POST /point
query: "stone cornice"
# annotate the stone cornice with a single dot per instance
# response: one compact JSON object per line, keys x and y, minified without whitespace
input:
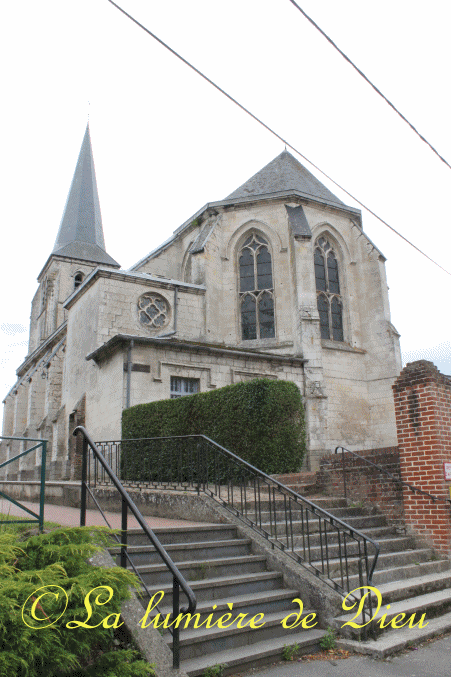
{"x":121,"y":340}
{"x":132,"y":277}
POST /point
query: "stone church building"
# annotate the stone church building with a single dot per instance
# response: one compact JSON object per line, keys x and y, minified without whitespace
{"x":277,"y":280}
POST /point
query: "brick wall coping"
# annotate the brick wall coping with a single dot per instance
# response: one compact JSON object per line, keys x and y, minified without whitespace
{"x":420,"y":372}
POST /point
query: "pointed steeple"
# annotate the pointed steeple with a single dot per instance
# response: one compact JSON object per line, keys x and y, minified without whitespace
{"x":283,"y":174}
{"x":80,"y":235}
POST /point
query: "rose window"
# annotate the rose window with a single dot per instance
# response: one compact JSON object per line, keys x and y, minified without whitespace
{"x":153,"y":311}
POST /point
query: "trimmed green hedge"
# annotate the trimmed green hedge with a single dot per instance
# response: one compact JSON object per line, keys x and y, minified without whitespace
{"x":261,"y":421}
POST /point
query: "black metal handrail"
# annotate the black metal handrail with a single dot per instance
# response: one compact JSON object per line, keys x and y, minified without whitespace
{"x":412,"y":487}
{"x":178,"y":581}
{"x":197,"y":463}
{"x":40,"y":444}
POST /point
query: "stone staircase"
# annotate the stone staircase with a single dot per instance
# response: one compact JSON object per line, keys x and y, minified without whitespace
{"x":222,"y":568}
{"x":411,"y":578}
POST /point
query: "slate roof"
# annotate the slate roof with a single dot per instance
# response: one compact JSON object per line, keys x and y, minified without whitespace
{"x":283,"y":174}
{"x":80,"y":235}
{"x":298,"y":222}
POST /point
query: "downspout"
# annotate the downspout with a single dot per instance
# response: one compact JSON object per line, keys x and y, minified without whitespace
{"x":174,"y":331}
{"x":129,"y":374}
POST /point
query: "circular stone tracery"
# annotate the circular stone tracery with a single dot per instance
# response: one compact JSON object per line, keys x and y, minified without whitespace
{"x":153,"y":311}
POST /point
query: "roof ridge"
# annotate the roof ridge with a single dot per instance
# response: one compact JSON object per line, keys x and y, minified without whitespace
{"x":284,"y":173}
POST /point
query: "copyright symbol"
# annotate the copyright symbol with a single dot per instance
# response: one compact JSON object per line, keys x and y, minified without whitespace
{"x":34,"y":602}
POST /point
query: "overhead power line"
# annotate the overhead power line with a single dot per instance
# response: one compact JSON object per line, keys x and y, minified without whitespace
{"x":376,"y":89}
{"x":274,"y":133}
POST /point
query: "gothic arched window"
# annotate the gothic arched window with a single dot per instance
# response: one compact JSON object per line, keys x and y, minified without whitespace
{"x":256,"y":290}
{"x":330,"y":306}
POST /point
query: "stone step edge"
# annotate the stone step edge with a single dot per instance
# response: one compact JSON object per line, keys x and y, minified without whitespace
{"x":198,"y":635}
{"x":353,"y":559}
{"x":385,"y":588}
{"x":252,"y":653}
{"x":417,"y":604}
{"x":381,"y":541}
{"x":404,"y":568}
{"x":397,"y":640}
{"x":222,"y":580}
{"x":239,"y":601}
{"x":205,"y":526}
{"x":190,"y":564}
{"x":195,"y":545}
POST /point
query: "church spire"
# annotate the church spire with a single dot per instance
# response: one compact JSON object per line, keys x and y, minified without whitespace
{"x":80,"y":235}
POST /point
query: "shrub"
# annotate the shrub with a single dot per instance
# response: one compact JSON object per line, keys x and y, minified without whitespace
{"x":59,"y":558}
{"x":261,"y":421}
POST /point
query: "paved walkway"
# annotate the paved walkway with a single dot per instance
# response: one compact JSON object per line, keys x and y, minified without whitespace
{"x":68,"y":516}
{"x":432,"y":659}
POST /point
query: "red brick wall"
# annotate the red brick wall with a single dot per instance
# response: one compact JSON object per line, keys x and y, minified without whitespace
{"x":423,"y":417}
{"x":364,"y":484}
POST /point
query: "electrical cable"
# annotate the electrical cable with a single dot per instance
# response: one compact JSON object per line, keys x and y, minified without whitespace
{"x":376,"y":89}
{"x":263,"y":124}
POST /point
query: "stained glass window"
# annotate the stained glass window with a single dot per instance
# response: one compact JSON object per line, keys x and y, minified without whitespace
{"x":256,"y":289}
{"x":328,"y":298}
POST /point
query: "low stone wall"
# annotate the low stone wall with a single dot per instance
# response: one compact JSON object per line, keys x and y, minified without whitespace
{"x":365,"y":484}
{"x":170,"y":504}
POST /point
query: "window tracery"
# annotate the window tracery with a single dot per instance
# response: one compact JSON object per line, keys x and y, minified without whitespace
{"x":328,"y":297}
{"x":256,"y":289}
{"x":153,"y":311}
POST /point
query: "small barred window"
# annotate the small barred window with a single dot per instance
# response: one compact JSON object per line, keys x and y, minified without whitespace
{"x":330,"y":305}
{"x":153,"y":311}
{"x":256,"y":290}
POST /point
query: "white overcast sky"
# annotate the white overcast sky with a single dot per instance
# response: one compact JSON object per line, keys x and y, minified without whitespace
{"x":165,"y":142}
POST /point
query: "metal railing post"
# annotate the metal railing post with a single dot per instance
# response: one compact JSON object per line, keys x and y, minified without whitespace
{"x":84,"y":479}
{"x":176,"y":630}
{"x":124,"y":534}
{"x":179,"y":581}
{"x":343,"y":462}
{"x":42,"y":492}
{"x":198,"y":467}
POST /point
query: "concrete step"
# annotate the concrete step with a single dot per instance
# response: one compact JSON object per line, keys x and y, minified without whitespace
{"x":394,"y":544}
{"x":224,"y":587}
{"x":195,"y":642}
{"x":430,"y":605}
{"x":158,"y":574}
{"x":183,"y":552}
{"x":324,"y":502}
{"x":312,"y":524}
{"x":392,"y":642}
{"x":280,"y":515}
{"x":304,"y":476}
{"x":386,"y":560}
{"x":194,"y":534}
{"x":400,"y":573}
{"x":271,"y":601}
{"x":375,"y":533}
{"x":396,"y":591}
{"x":255,"y":655}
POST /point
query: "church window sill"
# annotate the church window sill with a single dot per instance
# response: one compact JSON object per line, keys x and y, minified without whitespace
{"x":265,"y":343}
{"x":340,"y":345}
